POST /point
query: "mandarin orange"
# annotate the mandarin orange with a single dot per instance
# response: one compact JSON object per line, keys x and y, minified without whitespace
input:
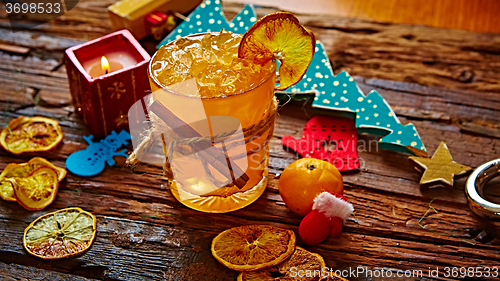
{"x":304,"y":179}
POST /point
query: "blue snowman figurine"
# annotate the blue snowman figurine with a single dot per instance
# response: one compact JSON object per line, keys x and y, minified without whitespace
{"x":91,"y":161}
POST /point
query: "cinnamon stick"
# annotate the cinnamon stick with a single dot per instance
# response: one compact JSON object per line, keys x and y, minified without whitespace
{"x":218,"y":159}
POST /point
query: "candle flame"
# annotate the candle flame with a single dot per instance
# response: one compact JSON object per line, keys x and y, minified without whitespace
{"x":105,"y":64}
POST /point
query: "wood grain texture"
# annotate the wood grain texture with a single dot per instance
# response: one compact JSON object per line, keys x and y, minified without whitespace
{"x":443,"y":81}
{"x":478,"y":16}
{"x":13,"y":272}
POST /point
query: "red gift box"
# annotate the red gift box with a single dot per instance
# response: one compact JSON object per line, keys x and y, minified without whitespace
{"x":158,"y":24}
{"x":103,"y":100}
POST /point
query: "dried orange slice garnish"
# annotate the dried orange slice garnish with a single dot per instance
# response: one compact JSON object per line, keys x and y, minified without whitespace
{"x":36,"y":191}
{"x":306,"y":266}
{"x":280,"y":36}
{"x":14,"y":170}
{"x":31,"y":134}
{"x":253,"y":247}
{"x":60,"y":234}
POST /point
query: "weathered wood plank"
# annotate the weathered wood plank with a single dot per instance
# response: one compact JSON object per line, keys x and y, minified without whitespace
{"x":33,"y":40}
{"x":416,"y":54}
{"x":144,"y":233}
{"x":124,"y":250}
{"x":169,"y":227}
{"x":88,"y":20}
{"x":381,"y":169}
{"x":13,"y":272}
{"x":482,"y":130}
{"x":460,"y":105}
{"x":14,"y":49}
{"x":401,"y":52}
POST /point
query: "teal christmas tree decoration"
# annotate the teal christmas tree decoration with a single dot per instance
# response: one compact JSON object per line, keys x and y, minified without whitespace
{"x":375,"y":116}
{"x":208,"y":17}
{"x":342,"y":95}
{"x":338,"y":94}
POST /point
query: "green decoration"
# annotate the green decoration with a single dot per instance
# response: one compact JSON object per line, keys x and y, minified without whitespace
{"x":342,"y":97}
{"x":209,"y":17}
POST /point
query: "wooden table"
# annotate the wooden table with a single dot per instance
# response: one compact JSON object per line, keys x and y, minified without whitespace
{"x":446,"y":82}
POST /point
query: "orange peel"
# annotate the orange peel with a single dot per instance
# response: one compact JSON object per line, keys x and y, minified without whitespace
{"x":23,"y":170}
{"x":280,"y":36}
{"x":60,"y":234}
{"x":31,"y":134}
{"x":36,"y":191}
{"x":6,"y":191}
{"x":253,"y":247}
{"x":300,"y":261}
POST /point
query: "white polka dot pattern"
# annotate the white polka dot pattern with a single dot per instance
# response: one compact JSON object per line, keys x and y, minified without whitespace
{"x":208,"y":16}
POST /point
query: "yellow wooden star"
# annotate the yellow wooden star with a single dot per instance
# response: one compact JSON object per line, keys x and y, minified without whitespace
{"x":440,"y":167}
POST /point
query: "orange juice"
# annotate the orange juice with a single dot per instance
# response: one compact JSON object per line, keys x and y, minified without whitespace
{"x":225,"y":99}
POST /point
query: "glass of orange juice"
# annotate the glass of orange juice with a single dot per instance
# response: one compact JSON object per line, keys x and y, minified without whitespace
{"x":220,"y":111}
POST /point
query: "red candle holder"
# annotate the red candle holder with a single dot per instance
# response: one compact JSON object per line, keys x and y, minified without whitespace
{"x":102,"y":98}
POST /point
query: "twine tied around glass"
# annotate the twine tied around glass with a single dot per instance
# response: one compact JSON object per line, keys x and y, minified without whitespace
{"x":185,"y":140}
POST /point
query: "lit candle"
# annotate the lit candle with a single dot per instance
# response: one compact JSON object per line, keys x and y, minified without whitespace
{"x":105,"y":64}
{"x":112,"y":61}
{"x":106,"y":77}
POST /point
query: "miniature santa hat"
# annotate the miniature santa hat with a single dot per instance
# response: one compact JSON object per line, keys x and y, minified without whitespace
{"x":329,"y":212}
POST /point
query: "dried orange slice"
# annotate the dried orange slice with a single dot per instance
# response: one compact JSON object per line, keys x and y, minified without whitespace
{"x":60,"y":234}
{"x":302,"y":265}
{"x":280,"y":36}
{"x":6,"y":191}
{"x":36,"y":191}
{"x":31,"y":134}
{"x":23,"y":170}
{"x":253,"y":247}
